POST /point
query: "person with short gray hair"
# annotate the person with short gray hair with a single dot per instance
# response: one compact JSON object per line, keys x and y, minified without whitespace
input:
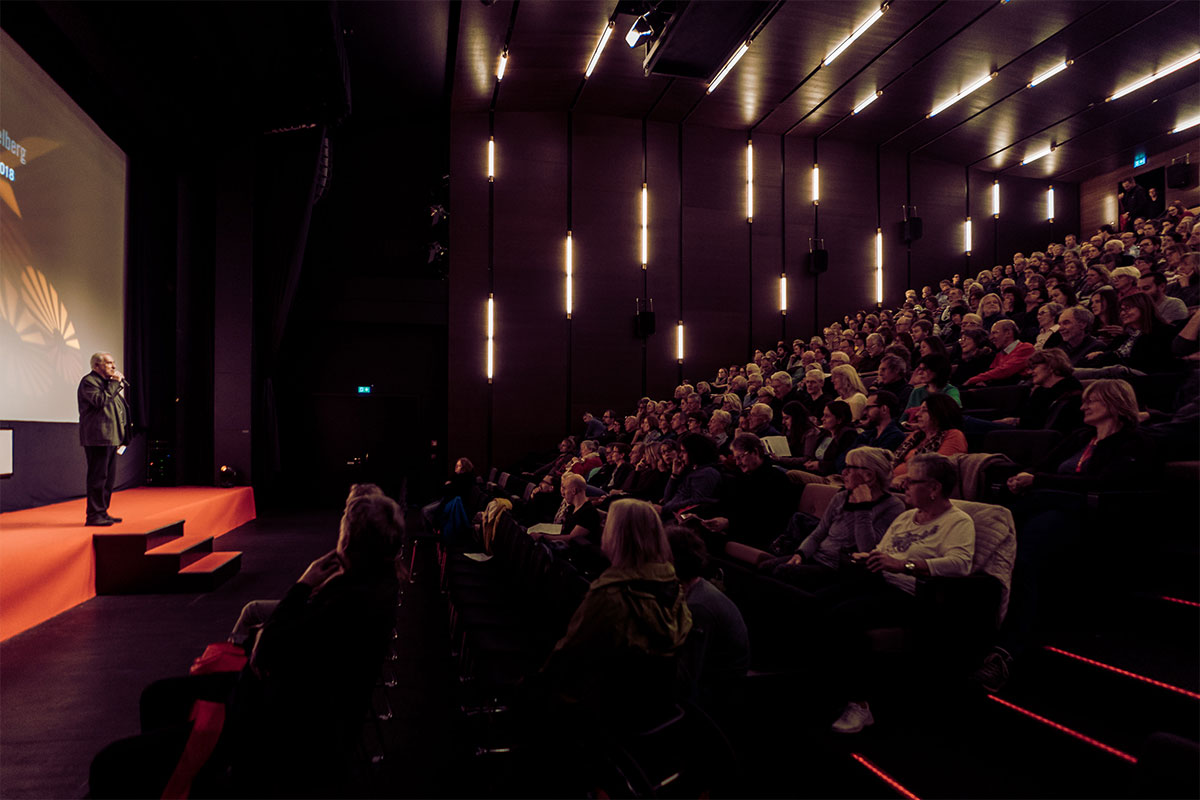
{"x":104,"y":427}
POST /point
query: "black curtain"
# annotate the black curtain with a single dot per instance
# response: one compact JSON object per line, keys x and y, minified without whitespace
{"x":293,"y":168}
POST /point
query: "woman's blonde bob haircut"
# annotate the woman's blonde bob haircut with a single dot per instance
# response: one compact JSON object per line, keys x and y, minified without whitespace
{"x":876,"y":459}
{"x":850,"y":374}
{"x":633,"y":535}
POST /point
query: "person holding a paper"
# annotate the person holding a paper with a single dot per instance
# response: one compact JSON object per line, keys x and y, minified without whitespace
{"x":103,"y":428}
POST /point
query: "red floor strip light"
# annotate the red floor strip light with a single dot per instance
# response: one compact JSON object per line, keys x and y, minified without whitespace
{"x":1064,"y":729}
{"x":1191,"y":603}
{"x":888,"y":779}
{"x":1126,"y":673}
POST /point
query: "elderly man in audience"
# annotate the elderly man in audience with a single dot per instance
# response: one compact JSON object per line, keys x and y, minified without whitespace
{"x":1012,"y":355}
{"x":932,"y":539}
{"x":893,"y":377}
{"x":759,"y":419}
{"x":1074,"y":325}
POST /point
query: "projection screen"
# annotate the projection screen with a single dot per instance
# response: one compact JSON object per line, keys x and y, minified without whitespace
{"x":62,"y":243}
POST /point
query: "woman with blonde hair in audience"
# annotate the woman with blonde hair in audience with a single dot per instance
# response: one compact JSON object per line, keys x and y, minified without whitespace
{"x":849,"y":387}
{"x":991,"y":309}
{"x":939,"y":430}
{"x":855,"y":519}
{"x":617,"y":659}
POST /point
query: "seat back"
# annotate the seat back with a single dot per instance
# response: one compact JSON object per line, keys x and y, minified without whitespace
{"x":995,"y":543}
{"x":816,"y":498}
{"x":1023,"y":447}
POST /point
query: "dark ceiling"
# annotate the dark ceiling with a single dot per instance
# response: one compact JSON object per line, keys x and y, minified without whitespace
{"x":919,"y":53}
{"x":181,"y":65}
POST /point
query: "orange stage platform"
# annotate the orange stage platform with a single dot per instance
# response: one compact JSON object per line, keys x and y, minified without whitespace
{"x":48,"y":564}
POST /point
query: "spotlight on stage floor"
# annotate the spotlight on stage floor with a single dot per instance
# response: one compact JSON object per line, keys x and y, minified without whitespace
{"x":227,"y":477}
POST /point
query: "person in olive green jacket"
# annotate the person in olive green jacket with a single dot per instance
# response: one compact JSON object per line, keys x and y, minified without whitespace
{"x":618,"y":656}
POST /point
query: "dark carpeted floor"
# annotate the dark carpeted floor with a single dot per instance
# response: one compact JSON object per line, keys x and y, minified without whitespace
{"x":71,"y":685}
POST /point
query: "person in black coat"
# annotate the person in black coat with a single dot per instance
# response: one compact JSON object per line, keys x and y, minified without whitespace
{"x":103,"y":428}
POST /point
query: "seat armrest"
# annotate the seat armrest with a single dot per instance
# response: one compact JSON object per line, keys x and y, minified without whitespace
{"x":745,"y":553}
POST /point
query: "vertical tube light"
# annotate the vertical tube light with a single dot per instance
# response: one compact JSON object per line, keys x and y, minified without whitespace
{"x":679,"y":341}
{"x":996,"y":198}
{"x":1050,"y":204}
{"x":879,"y":266}
{"x":645,"y":226}
{"x":570,"y":275}
{"x":750,"y":181}
{"x":816,"y":184}
{"x":491,"y":336}
{"x":491,"y":158}
{"x":783,"y":293}
{"x":503,"y":65}
{"x":967,"y":236}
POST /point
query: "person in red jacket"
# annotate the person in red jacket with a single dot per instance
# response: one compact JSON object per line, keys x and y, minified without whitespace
{"x":1012,"y":356}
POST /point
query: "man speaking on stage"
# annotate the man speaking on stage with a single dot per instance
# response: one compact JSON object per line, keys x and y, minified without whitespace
{"x":103,"y":427}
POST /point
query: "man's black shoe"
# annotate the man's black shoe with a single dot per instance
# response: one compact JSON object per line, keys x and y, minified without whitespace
{"x":103,"y":522}
{"x":112,"y":518}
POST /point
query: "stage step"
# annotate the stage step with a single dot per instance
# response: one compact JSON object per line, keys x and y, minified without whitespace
{"x":210,"y":571}
{"x":159,"y":561}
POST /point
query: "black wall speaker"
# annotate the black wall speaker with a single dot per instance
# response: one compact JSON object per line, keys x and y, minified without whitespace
{"x":643,"y":324}
{"x":818,"y":261}
{"x":911,"y":229}
{"x":1180,"y":176}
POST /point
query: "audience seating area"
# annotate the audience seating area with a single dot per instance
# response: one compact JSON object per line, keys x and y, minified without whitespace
{"x":1102,"y":704}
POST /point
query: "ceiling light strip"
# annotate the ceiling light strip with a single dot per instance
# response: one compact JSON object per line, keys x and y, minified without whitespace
{"x":942,"y":106}
{"x":871,"y":99}
{"x":503,"y":65}
{"x":996,"y":198}
{"x":1029,"y":159}
{"x":1048,"y":74}
{"x":591,"y":65}
{"x":729,"y":65}
{"x":859,"y":31}
{"x":1183,"y":126}
{"x":1165,"y":71}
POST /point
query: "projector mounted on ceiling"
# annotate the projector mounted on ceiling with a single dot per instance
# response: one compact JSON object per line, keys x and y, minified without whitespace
{"x":693,"y":38}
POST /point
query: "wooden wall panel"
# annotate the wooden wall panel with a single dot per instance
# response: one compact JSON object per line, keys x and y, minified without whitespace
{"x":663,"y":276}
{"x":762,"y":298}
{"x":531,"y":219}
{"x":467,"y":389}
{"x":716,"y":250}
{"x":607,"y":176}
